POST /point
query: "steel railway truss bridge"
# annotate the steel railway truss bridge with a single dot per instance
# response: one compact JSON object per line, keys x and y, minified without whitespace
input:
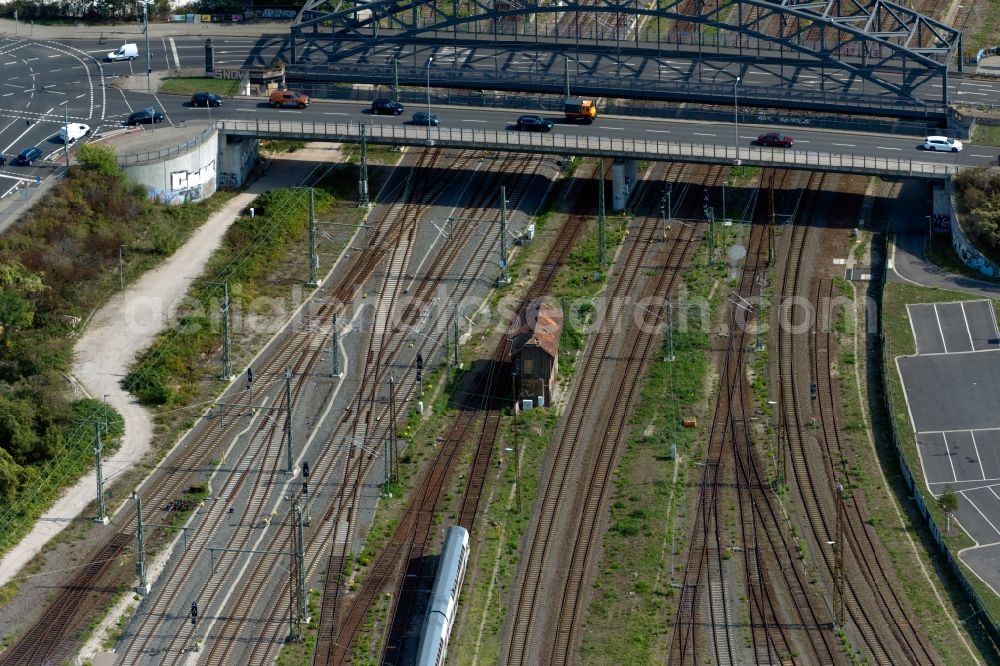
{"x":848,"y":56}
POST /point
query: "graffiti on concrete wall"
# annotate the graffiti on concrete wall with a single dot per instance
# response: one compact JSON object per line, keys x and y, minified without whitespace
{"x":183,"y":180}
{"x":228,"y":180}
{"x":968,"y":253}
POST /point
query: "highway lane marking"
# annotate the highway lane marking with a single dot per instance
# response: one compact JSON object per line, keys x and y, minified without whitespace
{"x":969,"y":92}
{"x":337,"y":113}
{"x":846,"y":145}
{"x":659,"y":131}
{"x":701,"y":134}
{"x":886,"y":148}
{"x":610,"y":128}
{"x":473,"y":121}
{"x":801,"y":141}
{"x":55,"y":55}
{"x":990,"y":156}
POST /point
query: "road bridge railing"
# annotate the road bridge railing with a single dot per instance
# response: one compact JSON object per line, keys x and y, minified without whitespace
{"x":834,"y":98}
{"x":588,"y":144}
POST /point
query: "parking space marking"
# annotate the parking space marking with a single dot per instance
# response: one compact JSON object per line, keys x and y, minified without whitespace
{"x":943,"y":432}
{"x":979,"y":458}
{"x":968,"y":329}
{"x":937,"y":318}
{"x":947,"y":452}
{"x":989,"y":484}
{"x":974,"y":506}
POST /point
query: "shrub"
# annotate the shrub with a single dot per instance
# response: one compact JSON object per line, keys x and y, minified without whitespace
{"x":99,"y":159}
{"x":977,"y":195}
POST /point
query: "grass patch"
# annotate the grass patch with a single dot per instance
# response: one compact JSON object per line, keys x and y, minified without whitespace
{"x":280,"y":146}
{"x":300,"y":653}
{"x":987,"y":135}
{"x":188,"y":85}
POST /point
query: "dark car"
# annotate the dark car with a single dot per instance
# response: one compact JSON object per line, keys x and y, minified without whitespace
{"x":775,"y":139}
{"x":424,"y":118}
{"x":144,"y":117}
{"x":534,"y":124}
{"x":3,"y":160}
{"x":27,"y":156}
{"x":206,"y":99}
{"x":387,"y":107}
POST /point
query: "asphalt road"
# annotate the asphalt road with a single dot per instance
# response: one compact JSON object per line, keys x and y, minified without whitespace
{"x":45,"y":81}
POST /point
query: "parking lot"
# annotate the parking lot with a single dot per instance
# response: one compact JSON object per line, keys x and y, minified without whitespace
{"x":953,"y":397}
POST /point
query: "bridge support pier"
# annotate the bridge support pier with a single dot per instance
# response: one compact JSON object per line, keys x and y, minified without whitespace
{"x":624,"y":175}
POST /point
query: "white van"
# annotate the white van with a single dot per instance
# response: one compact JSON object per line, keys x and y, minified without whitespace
{"x":124,"y":52}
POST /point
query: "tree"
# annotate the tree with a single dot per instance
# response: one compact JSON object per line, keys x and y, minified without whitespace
{"x":15,"y":312}
{"x":17,"y":430}
{"x":948,"y":502}
{"x":10,"y":478}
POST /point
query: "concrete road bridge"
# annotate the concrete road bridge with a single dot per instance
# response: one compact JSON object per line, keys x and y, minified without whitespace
{"x":593,"y":145}
{"x":854,"y":56}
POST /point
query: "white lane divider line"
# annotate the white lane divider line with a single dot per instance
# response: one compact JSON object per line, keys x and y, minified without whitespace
{"x":173,"y":48}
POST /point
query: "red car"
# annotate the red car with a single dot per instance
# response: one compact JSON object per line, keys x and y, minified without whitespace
{"x":775,"y":139}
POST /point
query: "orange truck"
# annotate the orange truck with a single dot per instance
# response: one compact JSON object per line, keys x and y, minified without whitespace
{"x":580,"y":109}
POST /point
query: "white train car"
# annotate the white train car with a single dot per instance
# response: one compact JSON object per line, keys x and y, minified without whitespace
{"x":444,"y":598}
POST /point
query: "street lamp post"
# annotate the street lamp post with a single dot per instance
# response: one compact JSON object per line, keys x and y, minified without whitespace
{"x":736,"y":116}
{"x":429,"y":61}
{"x":145,"y":29}
{"x":65,"y":106}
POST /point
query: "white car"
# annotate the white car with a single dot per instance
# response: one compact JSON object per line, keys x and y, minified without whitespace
{"x":73,"y":131}
{"x":942,"y":143}
{"x":124,"y":52}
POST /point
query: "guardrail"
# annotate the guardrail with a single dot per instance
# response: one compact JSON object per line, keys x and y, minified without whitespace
{"x":586,"y":144}
{"x":157,"y":155}
{"x":831,"y":99}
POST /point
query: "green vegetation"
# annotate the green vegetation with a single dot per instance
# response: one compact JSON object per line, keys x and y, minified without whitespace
{"x":280,"y":146}
{"x":170,"y":371}
{"x":986,"y":135}
{"x":56,"y":267}
{"x":299,"y":653}
{"x":627,"y":617}
{"x":977,"y":197}
{"x":983,"y":27}
{"x":188,"y":85}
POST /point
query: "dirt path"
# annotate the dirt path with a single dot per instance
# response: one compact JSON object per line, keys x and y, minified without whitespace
{"x":126,"y":325}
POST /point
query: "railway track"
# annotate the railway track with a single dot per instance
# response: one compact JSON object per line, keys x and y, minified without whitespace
{"x":786,"y":618}
{"x":869,"y":606}
{"x":265,"y":447}
{"x":865,"y":563}
{"x":337,"y":524}
{"x":412,"y":538}
{"x":570,"y":440}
